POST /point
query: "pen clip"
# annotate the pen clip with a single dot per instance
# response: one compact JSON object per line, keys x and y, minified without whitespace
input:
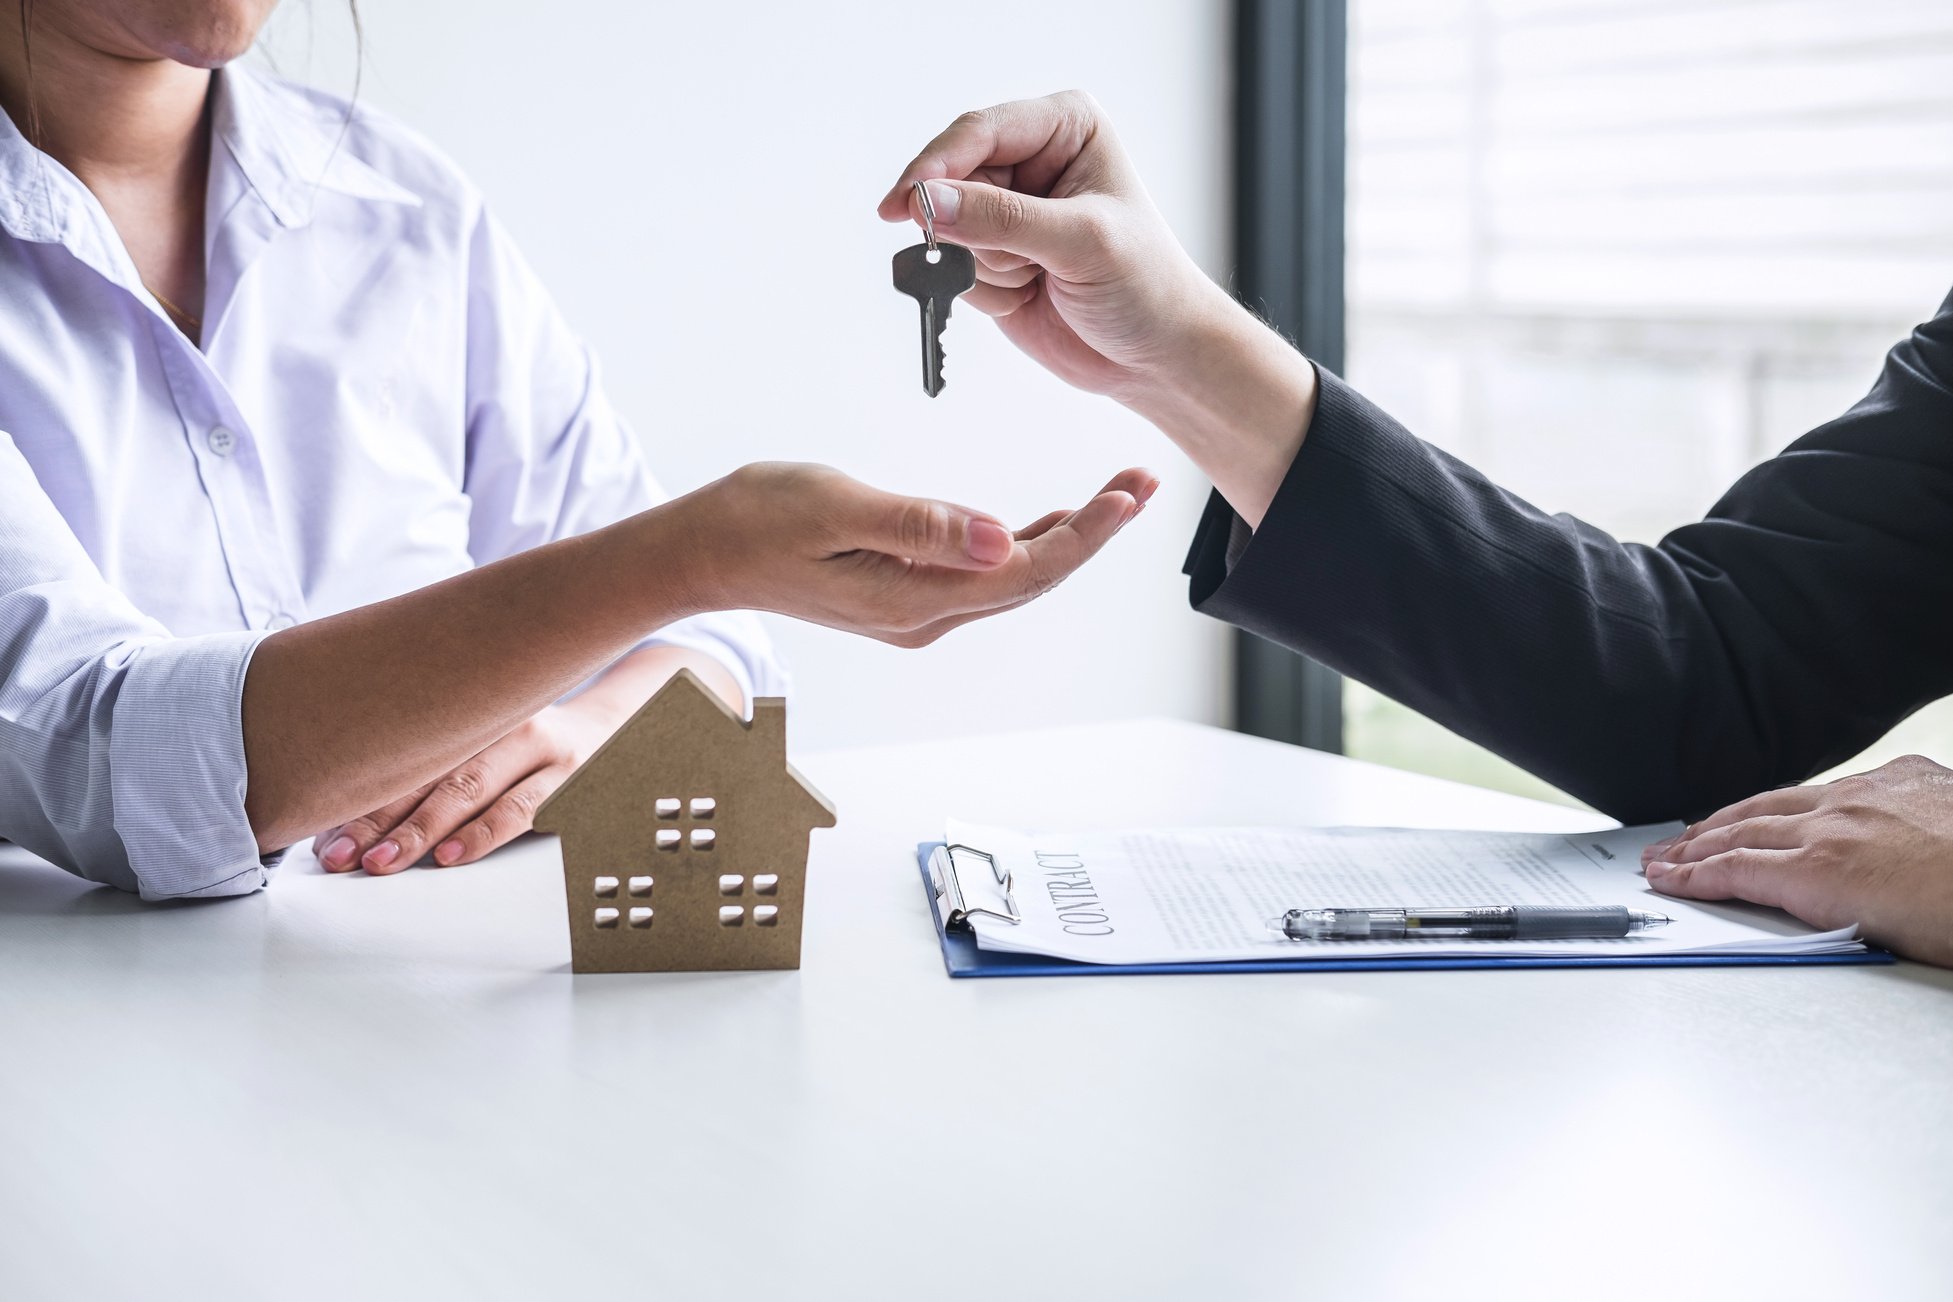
{"x":949,"y":888}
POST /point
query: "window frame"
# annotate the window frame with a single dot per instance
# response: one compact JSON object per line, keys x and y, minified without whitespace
{"x":1291,"y":92}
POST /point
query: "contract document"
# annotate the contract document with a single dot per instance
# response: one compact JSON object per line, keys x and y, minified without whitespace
{"x":1207,"y":895}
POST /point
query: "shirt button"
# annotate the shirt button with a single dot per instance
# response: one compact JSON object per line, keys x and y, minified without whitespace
{"x":220,"y":440}
{"x":277,"y":622}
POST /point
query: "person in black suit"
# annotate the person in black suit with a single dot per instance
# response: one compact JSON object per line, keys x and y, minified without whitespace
{"x":1810,"y":611}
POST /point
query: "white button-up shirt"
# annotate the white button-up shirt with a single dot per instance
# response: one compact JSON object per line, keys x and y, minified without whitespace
{"x":385,"y":397}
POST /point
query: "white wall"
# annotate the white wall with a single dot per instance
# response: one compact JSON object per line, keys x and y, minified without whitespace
{"x":698,"y":181}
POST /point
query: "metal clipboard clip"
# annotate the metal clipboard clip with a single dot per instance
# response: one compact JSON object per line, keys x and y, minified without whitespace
{"x":945,"y":877}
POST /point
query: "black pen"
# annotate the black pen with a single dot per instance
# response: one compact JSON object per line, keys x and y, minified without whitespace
{"x":1485,"y":922}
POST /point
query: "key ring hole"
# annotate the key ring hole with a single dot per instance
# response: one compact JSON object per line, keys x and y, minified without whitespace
{"x":933,"y":255}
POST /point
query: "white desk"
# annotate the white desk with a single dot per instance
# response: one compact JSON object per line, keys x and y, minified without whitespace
{"x":358,"y":1088}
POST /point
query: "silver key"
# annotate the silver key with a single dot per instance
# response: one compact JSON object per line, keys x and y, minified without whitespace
{"x":933,"y":273}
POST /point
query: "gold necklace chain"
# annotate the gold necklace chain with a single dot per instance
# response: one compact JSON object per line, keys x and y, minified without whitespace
{"x":194,"y":323}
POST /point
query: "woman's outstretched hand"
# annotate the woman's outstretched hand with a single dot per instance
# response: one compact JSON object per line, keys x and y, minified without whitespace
{"x":810,"y":542}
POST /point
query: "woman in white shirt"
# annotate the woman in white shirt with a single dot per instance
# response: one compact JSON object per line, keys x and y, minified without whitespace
{"x":312,"y":510}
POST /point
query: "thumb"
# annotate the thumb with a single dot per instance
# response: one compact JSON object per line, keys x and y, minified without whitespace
{"x":923,"y":529}
{"x":1056,"y":233}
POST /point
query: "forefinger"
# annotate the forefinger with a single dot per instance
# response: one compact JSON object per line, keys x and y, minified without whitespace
{"x":1781,"y":801}
{"x":1004,"y":135}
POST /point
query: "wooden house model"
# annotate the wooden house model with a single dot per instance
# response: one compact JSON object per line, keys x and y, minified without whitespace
{"x":685,"y":839}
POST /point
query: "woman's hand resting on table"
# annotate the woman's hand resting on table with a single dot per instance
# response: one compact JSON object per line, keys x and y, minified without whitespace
{"x":481,"y":805}
{"x":800,"y":540}
{"x":1875,"y":849}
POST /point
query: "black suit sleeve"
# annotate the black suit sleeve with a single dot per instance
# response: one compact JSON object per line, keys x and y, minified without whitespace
{"x":1809,"y":612}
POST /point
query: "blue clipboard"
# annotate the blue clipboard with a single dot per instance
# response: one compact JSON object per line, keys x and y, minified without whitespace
{"x":962,"y":957}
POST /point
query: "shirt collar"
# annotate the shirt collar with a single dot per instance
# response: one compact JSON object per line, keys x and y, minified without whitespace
{"x":32,"y":199}
{"x":291,"y":145}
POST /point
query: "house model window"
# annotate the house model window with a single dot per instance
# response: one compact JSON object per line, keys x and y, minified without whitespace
{"x":685,"y":839}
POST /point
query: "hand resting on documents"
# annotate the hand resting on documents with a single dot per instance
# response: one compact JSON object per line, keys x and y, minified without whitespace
{"x":1202,"y":895}
{"x":1874,"y":849}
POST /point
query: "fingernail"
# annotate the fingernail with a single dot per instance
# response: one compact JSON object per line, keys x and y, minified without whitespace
{"x":339,"y":854}
{"x":988,"y":542}
{"x":1146,"y":493}
{"x":382,"y":854}
{"x":1657,"y":869}
{"x":447,"y":852}
{"x":945,"y":199}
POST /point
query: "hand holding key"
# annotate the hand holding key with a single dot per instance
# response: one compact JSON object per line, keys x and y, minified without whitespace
{"x":933,"y":274}
{"x":1072,"y":258}
{"x":1082,"y":272}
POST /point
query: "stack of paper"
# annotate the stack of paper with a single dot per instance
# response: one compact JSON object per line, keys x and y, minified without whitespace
{"x":1207,"y":895}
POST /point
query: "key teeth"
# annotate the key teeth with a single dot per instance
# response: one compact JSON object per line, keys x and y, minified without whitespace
{"x":933,"y":385}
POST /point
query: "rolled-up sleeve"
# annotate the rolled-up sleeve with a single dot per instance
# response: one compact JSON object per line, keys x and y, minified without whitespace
{"x":121,"y":747}
{"x":548,"y":458}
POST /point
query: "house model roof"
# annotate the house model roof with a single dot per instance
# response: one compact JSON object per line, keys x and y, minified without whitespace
{"x":687,"y":736}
